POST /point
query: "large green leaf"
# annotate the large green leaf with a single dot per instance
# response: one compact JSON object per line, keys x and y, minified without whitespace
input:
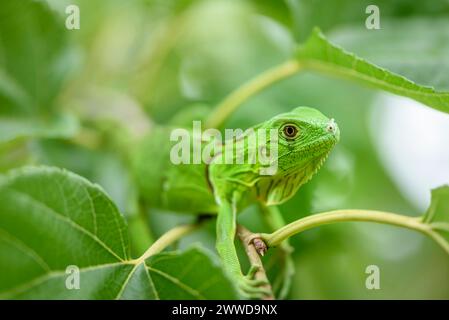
{"x":177,"y":276}
{"x":320,"y":55}
{"x":403,"y":46}
{"x":51,"y":219}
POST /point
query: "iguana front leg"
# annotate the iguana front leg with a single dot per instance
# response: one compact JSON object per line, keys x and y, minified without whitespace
{"x":226,"y":231}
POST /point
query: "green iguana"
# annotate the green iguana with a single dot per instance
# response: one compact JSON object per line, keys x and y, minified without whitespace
{"x":304,"y":137}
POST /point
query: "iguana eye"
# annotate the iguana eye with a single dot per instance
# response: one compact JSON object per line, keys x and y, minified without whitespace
{"x":290,"y":131}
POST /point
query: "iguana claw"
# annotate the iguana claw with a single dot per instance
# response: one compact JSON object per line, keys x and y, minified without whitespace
{"x":251,"y":288}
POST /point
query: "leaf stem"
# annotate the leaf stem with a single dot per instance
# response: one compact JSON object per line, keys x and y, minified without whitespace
{"x":316,"y":220}
{"x":236,"y":98}
{"x":166,"y":239}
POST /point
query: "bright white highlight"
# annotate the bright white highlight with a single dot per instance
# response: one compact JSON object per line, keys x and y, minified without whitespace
{"x":412,"y":141}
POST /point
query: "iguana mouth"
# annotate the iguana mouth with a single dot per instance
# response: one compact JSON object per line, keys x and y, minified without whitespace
{"x":319,"y":147}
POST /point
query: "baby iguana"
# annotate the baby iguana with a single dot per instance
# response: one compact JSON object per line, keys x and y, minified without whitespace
{"x":303,"y":137}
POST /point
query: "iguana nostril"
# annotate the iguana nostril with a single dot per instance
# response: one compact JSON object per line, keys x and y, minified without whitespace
{"x":331,"y":126}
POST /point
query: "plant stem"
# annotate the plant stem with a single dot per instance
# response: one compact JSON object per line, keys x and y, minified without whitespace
{"x":253,"y":257}
{"x":166,"y":239}
{"x":236,"y":98}
{"x":320,"y":219}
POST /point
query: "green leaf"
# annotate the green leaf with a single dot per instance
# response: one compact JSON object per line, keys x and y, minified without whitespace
{"x":176,"y":276}
{"x":437,"y":216}
{"x":403,"y":46}
{"x":51,"y":219}
{"x":320,"y":55}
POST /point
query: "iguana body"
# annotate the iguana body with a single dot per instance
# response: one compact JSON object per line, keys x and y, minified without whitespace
{"x":305,"y":138}
{"x":181,"y":188}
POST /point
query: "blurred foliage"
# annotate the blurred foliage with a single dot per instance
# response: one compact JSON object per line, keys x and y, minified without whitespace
{"x":136,"y":63}
{"x":329,"y":15}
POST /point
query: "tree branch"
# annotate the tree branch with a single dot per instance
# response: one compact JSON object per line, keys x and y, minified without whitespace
{"x":246,"y":237}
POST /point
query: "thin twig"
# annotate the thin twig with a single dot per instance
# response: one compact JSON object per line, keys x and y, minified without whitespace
{"x":253,"y":256}
{"x":319,"y":219}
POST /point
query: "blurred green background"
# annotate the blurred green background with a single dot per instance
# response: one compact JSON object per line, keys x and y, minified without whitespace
{"x":75,"y":99}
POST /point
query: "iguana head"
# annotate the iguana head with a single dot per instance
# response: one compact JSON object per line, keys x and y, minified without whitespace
{"x":305,"y":139}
